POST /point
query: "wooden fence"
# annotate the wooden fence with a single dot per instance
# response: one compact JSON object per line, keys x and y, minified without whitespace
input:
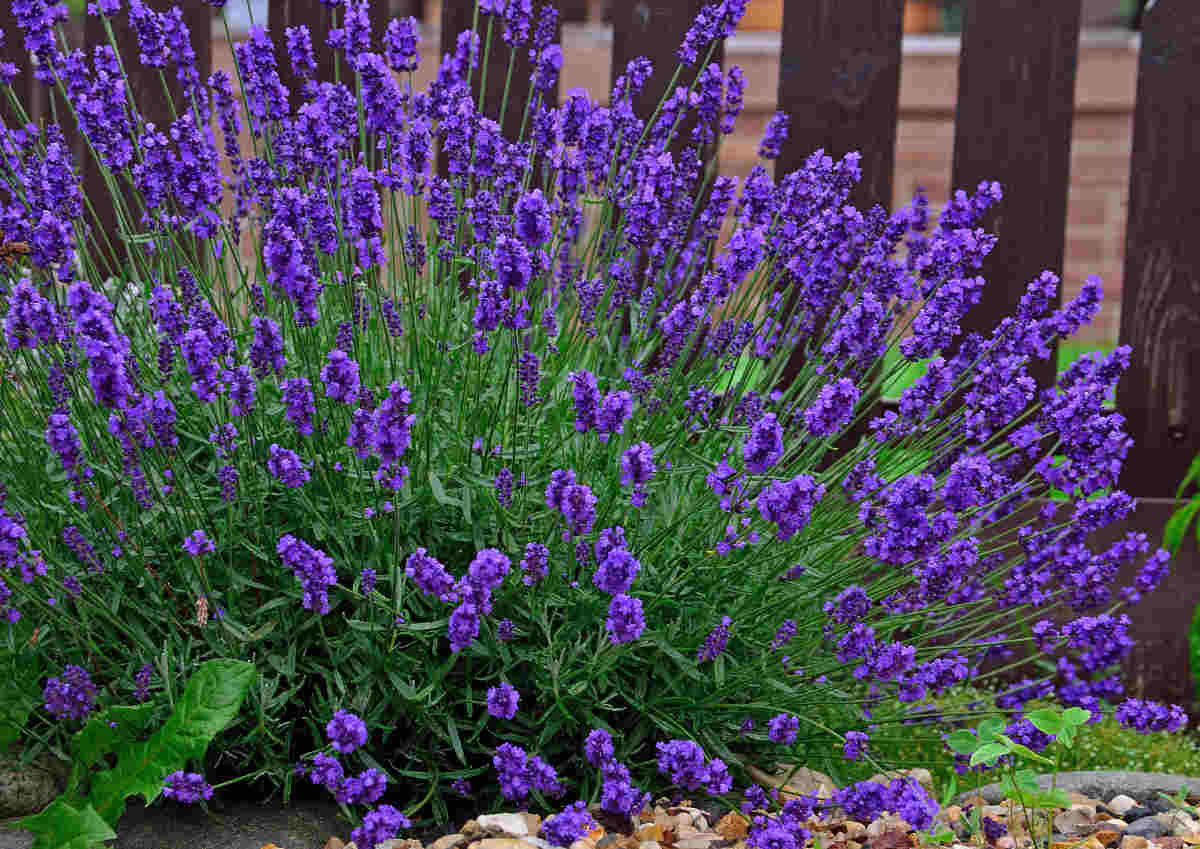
{"x":839,"y":80}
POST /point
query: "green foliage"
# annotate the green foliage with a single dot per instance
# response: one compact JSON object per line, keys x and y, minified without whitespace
{"x":94,"y":800}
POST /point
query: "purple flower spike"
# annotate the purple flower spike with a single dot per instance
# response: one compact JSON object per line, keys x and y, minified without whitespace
{"x":346,"y":732}
{"x":502,"y":701}
{"x":186,"y":788}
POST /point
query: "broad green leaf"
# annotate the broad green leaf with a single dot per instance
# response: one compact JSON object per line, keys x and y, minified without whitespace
{"x":1193,"y":474}
{"x":1023,"y":751}
{"x":963,"y":742}
{"x":988,"y":753}
{"x":97,"y":738}
{"x":209,"y":702}
{"x":1076,"y":716}
{"x":989,"y":728}
{"x":61,"y":826}
{"x":1177,"y":525}
{"x":1045,"y":720}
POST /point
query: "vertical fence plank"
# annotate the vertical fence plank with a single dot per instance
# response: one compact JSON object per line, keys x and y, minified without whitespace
{"x":839,"y":82}
{"x":1160,"y":307}
{"x":457,"y":16}
{"x":145,"y":90}
{"x":27,"y":90}
{"x":654,"y":29}
{"x":1016,"y":89}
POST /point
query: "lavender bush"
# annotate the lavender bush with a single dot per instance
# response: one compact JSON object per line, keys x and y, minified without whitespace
{"x":468,"y":463}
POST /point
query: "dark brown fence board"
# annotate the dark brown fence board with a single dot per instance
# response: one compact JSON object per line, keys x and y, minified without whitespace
{"x":839,"y":81}
{"x":1160,"y":306}
{"x":457,"y":16}
{"x":653,"y":29}
{"x":1016,"y":90}
{"x":25,"y":87}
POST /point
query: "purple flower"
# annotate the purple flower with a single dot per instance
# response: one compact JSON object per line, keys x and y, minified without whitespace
{"x":198,"y":543}
{"x":430,"y":576}
{"x":532,"y":218}
{"x":381,"y":824}
{"x":400,"y":44}
{"x":637,"y":468}
{"x":463,"y":627}
{"x":774,"y":136}
{"x":684,"y":761}
{"x":505,"y":631}
{"x":569,"y":825}
{"x":312,"y":567}
{"x":784,"y":635}
{"x":850,"y":605}
{"x":141,"y":683}
{"x":502,"y":700}
{"x":535,"y":563}
{"x":625,"y":622}
{"x":340,"y":375}
{"x":71,"y":697}
{"x":346,"y":732}
{"x":832,"y":409}
{"x":855,"y":745}
{"x":789,"y":504}
{"x":715,"y":642}
{"x":616,"y":572}
{"x":186,"y":788}
{"x":783,"y":729}
{"x":298,"y":396}
{"x":598,"y":747}
{"x":764,"y":445}
{"x":285,"y":465}
{"x":1146,"y":717}
{"x":266,"y":350}
{"x":504,"y":486}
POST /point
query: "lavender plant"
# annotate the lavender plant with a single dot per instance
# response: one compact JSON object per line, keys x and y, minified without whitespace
{"x":473,"y":453}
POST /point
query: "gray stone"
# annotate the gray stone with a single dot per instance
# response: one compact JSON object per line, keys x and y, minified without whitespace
{"x":27,"y":788}
{"x":1147,"y":827}
{"x":1101,"y":784}
{"x":241,"y":825}
{"x":1121,"y":804}
{"x":511,"y":825}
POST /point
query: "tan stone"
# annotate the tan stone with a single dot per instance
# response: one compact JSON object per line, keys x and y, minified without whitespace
{"x":803,"y":781}
{"x":1074,"y":822}
{"x":1107,"y":837}
{"x":334,"y":843}
{"x":450,"y":841}
{"x":1133,"y":841}
{"x":500,"y":843}
{"x":649,"y":831}
{"x":503,"y":825}
{"x":399,"y":843}
{"x":686,"y":832}
{"x":1114,"y":822}
{"x":532,"y":822}
{"x":700,"y":822}
{"x":732,"y":826}
{"x":1006,"y":842}
{"x":951,"y":814}
{"x":649,"y":844}
{"x":854,"y":829}
{"x":470,"y":828}
{"x":1121,"y":804}
{"x":695,"y":843}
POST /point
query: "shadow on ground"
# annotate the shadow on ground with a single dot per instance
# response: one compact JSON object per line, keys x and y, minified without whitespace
{"x":244,"y":825}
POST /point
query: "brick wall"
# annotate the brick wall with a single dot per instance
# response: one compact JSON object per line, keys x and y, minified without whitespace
{"x":1101,"y":144}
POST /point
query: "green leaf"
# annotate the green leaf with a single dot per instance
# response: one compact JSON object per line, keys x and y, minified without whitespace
{"x":989,"y":728}
{"x":209,"y":702}
{"x":1193,"y":474}
{"x":943,"y":836}
{"x":1023,"y":751}
{"x":988,"y":753}
{"x":1045,"y":720}
{"x":455,"y":742}
{"x":97,"y":738}
{"x":439,"y":492}
{"x":1076,"y":716}
{"x":61,"y":826}
{"x":1177,"y":525}
{"x":963,"y":741}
